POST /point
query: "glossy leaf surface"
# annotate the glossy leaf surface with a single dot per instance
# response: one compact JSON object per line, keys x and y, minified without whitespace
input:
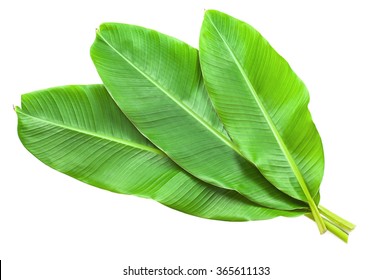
{"x":79,"y":131}
{"x":262,"y":104}
{"x":156,"y":81}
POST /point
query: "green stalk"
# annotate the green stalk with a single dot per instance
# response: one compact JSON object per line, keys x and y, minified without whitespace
{"x":316,"y":214}
{"x":335,"y":230}
{"x":339,"y":221}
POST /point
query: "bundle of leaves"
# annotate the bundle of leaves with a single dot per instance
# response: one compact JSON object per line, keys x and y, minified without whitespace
{"x":222,"y":133}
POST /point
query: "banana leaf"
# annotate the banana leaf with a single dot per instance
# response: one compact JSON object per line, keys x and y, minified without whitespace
{"x":157,"y":82}
{"x":263,"y":106}
{"x":79,"y":131}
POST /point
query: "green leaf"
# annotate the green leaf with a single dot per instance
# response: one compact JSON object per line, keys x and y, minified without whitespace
{"x":79,"y":131}
{"x":263,"y":106}
{"x":156,"y":81}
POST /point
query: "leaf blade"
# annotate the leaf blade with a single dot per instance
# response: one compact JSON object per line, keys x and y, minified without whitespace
{"x":79,"y":131}
{"x":157,"y":82}
{"x":248,"y":80}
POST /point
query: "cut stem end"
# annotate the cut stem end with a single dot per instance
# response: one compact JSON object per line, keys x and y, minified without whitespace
{"x":333,"y":223}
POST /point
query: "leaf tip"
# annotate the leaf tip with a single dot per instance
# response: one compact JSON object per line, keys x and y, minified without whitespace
{"x":208,"y":13}
{"x":16,"y":109}
{"x":212,"y":13}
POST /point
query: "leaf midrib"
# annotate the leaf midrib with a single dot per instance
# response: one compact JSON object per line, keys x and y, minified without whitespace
{"x":268,"y":118}
{"x":175,"y":100}
{"x":93,"y":134}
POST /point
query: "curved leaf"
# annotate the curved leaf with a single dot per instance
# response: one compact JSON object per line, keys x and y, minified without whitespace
{"x":78,"y":130}
{"x":263,"y":105}
{"x":156,"y":81}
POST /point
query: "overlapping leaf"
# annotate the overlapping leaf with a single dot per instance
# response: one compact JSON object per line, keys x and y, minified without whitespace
{"x":263,"y":105}
{"x":79,"y":130}
{"x":156,"y":81}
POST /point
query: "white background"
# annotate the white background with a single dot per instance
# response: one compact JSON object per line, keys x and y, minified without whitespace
{"x":55,"y":227}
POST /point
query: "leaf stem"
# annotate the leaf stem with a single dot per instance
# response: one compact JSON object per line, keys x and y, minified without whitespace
{"x":316,"y":215}
{"x":339,"y":221}
{"x":335,"y":230}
